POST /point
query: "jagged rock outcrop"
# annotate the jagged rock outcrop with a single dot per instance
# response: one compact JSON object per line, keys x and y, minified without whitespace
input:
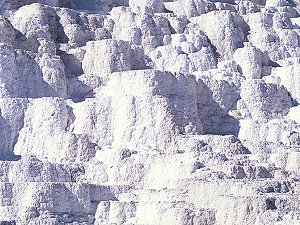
{"x":149,"y":112}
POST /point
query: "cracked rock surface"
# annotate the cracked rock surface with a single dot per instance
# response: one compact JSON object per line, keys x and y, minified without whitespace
{"x":150,"y":112}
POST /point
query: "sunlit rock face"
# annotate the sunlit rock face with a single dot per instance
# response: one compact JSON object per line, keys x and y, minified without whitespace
{"x":171,"y":112}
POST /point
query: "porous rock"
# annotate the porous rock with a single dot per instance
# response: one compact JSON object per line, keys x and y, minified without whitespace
{"x":149,"y":112}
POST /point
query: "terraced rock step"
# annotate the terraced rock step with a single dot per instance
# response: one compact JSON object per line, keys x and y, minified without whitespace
{"x":66,"y":202}
{"x":147,"y":112}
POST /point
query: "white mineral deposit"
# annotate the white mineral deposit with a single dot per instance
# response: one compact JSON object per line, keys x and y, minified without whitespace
{"x":149,"y":112}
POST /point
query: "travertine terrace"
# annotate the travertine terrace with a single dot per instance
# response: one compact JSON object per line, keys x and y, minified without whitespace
{"x":149,"y":112}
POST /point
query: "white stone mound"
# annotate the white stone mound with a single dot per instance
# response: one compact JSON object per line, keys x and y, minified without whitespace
{"x":147,"y":112}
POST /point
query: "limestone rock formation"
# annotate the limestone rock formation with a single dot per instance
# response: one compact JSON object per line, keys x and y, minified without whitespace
{"x":146,"y":112}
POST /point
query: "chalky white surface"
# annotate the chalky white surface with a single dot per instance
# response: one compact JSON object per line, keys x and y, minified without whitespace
{"x":147,"y":112}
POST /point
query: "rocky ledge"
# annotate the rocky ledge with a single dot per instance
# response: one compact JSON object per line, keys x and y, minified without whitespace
{"x":147,"y":112}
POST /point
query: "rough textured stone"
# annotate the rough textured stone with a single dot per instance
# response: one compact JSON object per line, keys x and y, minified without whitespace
{"x":250,"y":61}
{"x":149,"y":112}
{"x":265,"y":100}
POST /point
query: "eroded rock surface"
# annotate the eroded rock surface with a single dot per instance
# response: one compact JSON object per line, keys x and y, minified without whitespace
{"x":149,"y":112}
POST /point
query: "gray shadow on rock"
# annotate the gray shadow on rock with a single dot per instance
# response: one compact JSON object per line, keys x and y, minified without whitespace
{"x":76,"y":211}
{"x":73,"y":67}
{"x":25,"y":78}
{"x":215,"y":120}
{"x":5,"y":138}
{"x":11,"y":222}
